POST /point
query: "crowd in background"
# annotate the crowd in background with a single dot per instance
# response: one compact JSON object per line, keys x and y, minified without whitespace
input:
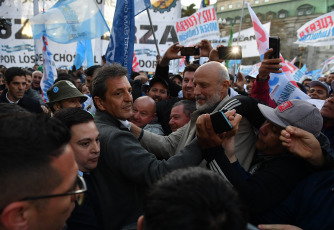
{"x":147,"y":153}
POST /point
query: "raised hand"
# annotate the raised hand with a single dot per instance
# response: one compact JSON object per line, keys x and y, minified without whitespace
{"x":303,"y":144}
{"x":269,"y":65}
{"x":171,"y":53}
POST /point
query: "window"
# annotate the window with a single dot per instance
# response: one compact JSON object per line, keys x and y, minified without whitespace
{"x":331,"y":8}
{"x":260,"y":16}
{"x":222,"y":8}
{"x":271,"y":15}
{"x":256,"y":2}
{"x":229,"y":21}
{"x":282,"y":14}
{"x":265,"y":0}
{"x":238,"y":5}
{"x":248,"y":18}
{"x":237,"y":20}
{"x":230,"y":6}
{"x":305,"y":9}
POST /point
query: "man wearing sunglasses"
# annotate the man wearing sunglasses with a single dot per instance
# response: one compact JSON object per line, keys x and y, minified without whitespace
{"x":39,"y":177}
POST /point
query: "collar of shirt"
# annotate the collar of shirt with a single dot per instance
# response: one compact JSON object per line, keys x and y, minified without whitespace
{"x":12,"y":102}
{"x":126,"y":123}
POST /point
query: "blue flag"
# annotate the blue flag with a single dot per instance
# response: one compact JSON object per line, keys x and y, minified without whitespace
{"x":122,"y":35}
{"x":84,"y":51}
{"x":49,"y":70}
{"x":141,"y":5}
{"x":70,"y":21}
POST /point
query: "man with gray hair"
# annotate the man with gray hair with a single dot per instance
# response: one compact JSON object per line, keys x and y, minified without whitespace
{"x":211,"y":82}
{"x":36,"y":81}
{"x":180,"y":114}
{"x":125,"y":168}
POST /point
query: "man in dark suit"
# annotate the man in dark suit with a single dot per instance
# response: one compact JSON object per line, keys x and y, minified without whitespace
{"x":15,"y":81}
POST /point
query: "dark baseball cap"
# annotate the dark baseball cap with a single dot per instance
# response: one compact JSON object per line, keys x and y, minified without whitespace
{"x":160,"y":80}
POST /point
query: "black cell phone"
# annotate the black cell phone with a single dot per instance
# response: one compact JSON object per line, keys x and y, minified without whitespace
{"x":230,"y":53}
{"x":274,"y":42}
{"x":220,"y":123}
{"x":189,"y":51}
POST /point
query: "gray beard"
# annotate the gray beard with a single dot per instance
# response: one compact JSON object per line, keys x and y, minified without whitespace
{"x":210,"y":102}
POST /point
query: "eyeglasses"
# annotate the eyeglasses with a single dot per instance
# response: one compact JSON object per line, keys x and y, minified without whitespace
{"x":80,"y":188}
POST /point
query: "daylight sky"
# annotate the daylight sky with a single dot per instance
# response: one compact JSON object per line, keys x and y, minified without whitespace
{"x":197,"y":2}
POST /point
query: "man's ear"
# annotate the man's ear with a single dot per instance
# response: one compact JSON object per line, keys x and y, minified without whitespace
{"x":140,"y":223}
{"x":99,"y":103}
{"x":56,"y":106}
{"x":224,"y":85}
{"x":15,"y":215}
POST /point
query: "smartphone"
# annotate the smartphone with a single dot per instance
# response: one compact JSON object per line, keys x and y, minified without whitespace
{"x":220,"y":123}
{"x":274,"y":42}
{"x":230,"y":53}
{"x":189,"y":51}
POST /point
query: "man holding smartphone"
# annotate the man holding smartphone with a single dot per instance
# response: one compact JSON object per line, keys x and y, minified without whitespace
{"x":211,"y":83}
{"x":260,"y":88}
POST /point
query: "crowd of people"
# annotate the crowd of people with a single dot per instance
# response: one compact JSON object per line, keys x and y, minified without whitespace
{"x":116,"y":150}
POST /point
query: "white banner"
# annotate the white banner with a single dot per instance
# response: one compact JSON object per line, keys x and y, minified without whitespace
{"x":200,"y":25}
{"x":164,"y":15}
{"x":317,"y":32}
{"x":17,"y":45}
{"x":247,"y":41}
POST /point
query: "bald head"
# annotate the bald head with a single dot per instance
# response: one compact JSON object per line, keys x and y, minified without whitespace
{"x":214,"y":70}
{"x":211,"y":85}
{"x":143,"y":111}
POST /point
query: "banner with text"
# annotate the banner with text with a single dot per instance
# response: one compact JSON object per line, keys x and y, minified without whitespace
{"x":200,"y":25}
{"x":17,"y":45}
{"x":164,"y":15}
{"x":317,"y":32}
{"x":247,"y":41}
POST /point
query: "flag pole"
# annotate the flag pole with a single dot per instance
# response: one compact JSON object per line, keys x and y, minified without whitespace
{"x":155,"y":40}
{"x":35,"y":41}
{"x":242,"y":15}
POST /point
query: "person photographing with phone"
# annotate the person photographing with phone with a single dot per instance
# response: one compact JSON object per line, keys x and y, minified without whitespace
{"x":278,"y":167}
{"x":260,"y":88}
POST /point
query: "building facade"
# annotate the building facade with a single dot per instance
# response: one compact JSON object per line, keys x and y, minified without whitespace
{"x":286,"y":17}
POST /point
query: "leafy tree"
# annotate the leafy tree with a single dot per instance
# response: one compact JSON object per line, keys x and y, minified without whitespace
{"x":189,"y":10}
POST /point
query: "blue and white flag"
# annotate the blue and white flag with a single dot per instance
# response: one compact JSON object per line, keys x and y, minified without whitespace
{"x":141,"y":5}
{"x":70,"y":21}
{"x":122,"y":35}
{"x":84,"y":51}
{"x":49,"y":70}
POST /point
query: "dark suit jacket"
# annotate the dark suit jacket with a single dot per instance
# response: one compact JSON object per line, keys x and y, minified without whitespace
{"x":26,"y":103}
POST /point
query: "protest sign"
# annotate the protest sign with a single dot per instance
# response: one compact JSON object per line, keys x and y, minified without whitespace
{"x":17,"y":45}
{"x":317,"y":32}
{"x":247,"y":41}
{"x":200,"y":25}
{"x":164,"y":17}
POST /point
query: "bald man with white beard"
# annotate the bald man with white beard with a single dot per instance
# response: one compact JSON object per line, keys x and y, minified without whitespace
{"x":211,"y":83}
